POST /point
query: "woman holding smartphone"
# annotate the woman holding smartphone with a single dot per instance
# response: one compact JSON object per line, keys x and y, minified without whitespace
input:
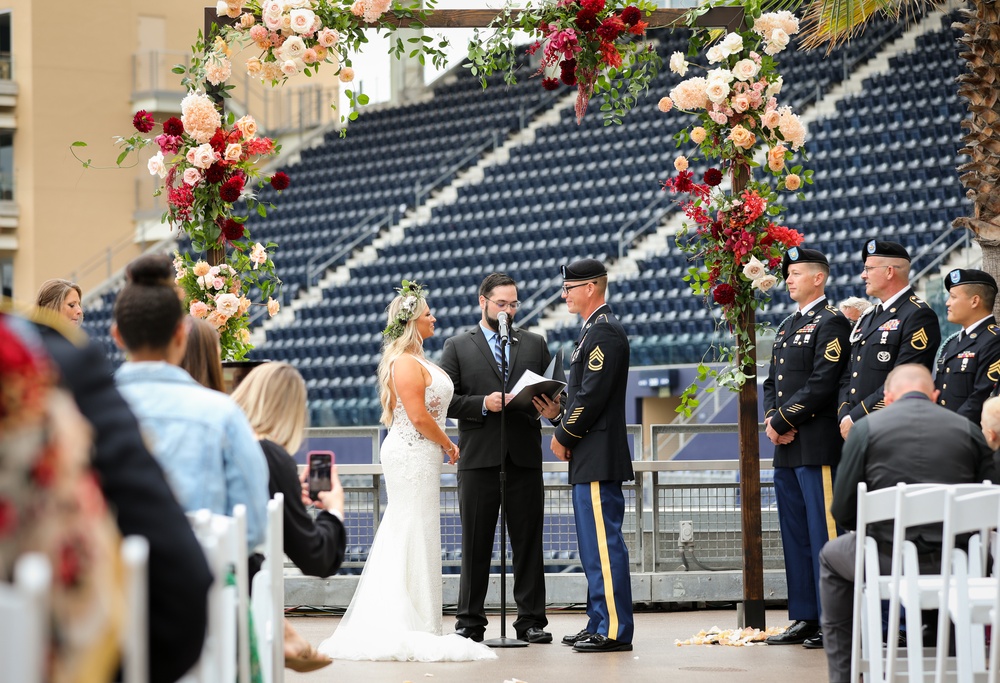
{"x":273,"y":396}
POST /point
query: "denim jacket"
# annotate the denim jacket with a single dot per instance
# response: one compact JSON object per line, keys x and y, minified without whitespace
{"x":202,"y":440}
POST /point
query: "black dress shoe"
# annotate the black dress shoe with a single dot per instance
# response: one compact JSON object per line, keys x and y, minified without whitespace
{"x":473,"y":634}
{"x":535,"y":635}
{"x":576,"y":638}
{"x":599,"y":643}
{"x":796,"y":634}
{"x":814,"y":643}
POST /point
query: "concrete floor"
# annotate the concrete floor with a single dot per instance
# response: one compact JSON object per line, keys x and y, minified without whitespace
{"x":655,"y":657}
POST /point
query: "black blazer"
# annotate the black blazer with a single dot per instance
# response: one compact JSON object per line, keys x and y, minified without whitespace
{"x":593,"y":424}
{"x":469,"y":361}
{"x":800,"y":391}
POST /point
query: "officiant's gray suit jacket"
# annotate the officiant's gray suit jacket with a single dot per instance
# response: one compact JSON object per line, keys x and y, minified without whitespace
{"x":469,"y":361}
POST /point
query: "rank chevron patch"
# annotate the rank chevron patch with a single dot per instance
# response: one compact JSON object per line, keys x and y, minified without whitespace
{"x":596,"y":360}
{"x":919,"y":340}
{"x":832,"y":353}
{"x":993,"y":374}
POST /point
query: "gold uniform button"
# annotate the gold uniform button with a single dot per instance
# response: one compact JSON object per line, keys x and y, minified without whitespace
{"x":944,"y":386}
{"x":862,"y":343}
{"x":859,"y":359}
{"x":943,"y":402}
{"x":947,"y":369}
{"x":854,"y":391}
{"x":782,"y":360}
{"x":854,"y":375}
{"x":784,"y":345}
{"x":780,"y":394}
{"x":781,"y":377}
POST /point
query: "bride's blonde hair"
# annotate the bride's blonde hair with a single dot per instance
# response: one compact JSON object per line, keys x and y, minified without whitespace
{"x":395,"y":345}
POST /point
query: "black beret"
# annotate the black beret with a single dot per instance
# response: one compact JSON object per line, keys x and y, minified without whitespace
{"x":584,"y":269}
{"x":802,"y":255}
{"x":878,"y":248}
{"x":961,"y":276}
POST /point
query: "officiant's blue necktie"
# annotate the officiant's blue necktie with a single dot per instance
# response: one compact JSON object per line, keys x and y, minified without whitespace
{"x":497,"y":353}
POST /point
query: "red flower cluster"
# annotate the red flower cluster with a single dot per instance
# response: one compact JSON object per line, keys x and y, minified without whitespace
{"x":143,"y":121}
{"x":231,"y":230}
{"x":713,"y":177}
{"x":173,"y":126}
{"x":724,"y":294}
{"x":550,"y":83}
{"x":230,"y":190}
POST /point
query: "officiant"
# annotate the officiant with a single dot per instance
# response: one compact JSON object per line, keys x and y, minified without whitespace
{"x":472,"y":359}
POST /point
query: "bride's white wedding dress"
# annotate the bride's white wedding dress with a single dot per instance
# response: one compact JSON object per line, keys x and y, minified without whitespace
{"x":395,"y":613}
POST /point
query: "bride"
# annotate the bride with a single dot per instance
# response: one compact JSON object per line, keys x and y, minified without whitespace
{"x":396,"y":610}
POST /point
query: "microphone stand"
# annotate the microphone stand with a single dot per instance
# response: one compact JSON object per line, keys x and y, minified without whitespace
{"x":503,"y":640}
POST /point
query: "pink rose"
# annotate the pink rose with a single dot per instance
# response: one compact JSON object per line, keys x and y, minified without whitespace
{"x":327,"y":37}
{"x":718,"y":117}
{"x":310,"y":56}
{"x":219,"y":283}
{"x":765,"y":282}
{"x":202,"y":156}
{"x":198,"y":309}
{"x":793,"y":182}
{"x":169,"y":144}
{"x":192,"y":176}
{"x":289,"y":67}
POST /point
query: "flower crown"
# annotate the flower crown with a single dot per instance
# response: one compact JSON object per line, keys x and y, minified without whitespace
{"x":411,"y":292}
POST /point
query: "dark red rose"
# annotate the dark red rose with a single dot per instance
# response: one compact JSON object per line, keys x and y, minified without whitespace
{"x":231,"y":230}
{"x":550,"y":83}
{"x":713,"y":177}
{"x":611,"y":28}
{"x":684,"y":182}
{"x":280,"y":181}
{"x":143,"y":121}
{"x":631,"y":14}
{"x":230,"y":190}
{"x":215,"y":173}
{"x":218,"y":141}
{"x":586,"y":20}
{"x":724,"y":294}
{"x":716,"y":229}
{"x":595,"y":6}
{"x":173,"y":126}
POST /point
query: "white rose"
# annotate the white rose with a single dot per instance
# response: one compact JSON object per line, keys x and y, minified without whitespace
{"x":221,"y":8}
{"x":271,"y":13}
{"x":754,"y":269}
{"x":678,"y":64}
{"x":775,"y":87}
{"x":289,"y":67}
{"x":156,"y":165}
{"x":227,"y":304}
{"x":724,"y":75}
{"x":732,"y":44}
{"x":777,"y":42}
{"x":765,"y":282}
{"x":745,"y":69}
{"x":717,"y":91}
{"x":715,"y":54}
{"x":302,"y":20}
{"x":292,"y":48}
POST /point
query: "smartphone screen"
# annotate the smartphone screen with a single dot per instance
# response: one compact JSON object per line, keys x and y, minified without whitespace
{"x":320,"y":464}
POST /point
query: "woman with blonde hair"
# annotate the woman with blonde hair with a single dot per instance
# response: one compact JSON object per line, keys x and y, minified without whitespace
{"x":273,"y":396}
{"x":63,"y":297}
{"x":395,"y":613}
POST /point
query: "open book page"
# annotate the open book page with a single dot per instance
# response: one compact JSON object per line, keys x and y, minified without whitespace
{"x":532,"y":384}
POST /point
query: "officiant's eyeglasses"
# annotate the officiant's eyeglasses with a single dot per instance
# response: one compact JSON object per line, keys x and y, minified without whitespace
{"x":512,"y":305}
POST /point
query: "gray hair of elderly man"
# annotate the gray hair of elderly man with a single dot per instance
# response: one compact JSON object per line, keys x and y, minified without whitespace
{"x":856,"y":303}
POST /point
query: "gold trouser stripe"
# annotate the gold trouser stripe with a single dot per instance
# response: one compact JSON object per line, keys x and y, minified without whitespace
{"x":602,"y":547}
{"x":831,"y":526}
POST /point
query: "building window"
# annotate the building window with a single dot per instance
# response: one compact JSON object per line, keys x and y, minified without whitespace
{"x":6,"y":166}
{"x":5,"y":51}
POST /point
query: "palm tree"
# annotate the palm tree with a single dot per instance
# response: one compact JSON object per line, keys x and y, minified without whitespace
{"x":829,"y":22}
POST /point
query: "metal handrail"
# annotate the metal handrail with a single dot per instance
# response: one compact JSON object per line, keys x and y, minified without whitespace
{"x":358,"y":231}
{"x":940,"y":258}
{"x":652,"y":220}
{"x":421,"y":191}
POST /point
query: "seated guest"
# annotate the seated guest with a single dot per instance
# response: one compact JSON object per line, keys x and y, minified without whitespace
{"x":913,"y":441}
{"x":273,"y":396}
{"x":63,"y":297}
{"x":199,"y":436}
{"x":853,"y":307}
{"x":142,"y":503}
{"x":203,"y":356}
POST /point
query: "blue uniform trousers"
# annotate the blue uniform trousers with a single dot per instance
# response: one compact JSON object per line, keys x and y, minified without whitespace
{"x":804,"y":495}
{"x":599,"y":508}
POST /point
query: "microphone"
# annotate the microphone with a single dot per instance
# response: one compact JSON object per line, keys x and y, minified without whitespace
{"x":502,"y":318}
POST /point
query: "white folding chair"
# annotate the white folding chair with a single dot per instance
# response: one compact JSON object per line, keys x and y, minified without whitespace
{"x":135,"y":633}
{"x":24,"y":620}
{"x":871,"y":587}
{"x":916,"y":591}
{"x":269,"y":595}
{"x":226,"y":653}
{"x":970,"y":594}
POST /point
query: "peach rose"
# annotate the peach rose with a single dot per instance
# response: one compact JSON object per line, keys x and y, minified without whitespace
{"x":665,"y":104}
{"x":776,"y":158}
{"x":243,"y":335}
{"x":273,"y":307}
{"x":745,"y":69}
{"x":202,"y":156}
{"x":742,"y":138}
{"x":258,"y":255}
{"x":217,"y":320}
{"x":741,"y":103}
{"x":192,"y":176}
{"x":309,"y":56}
{"x":198,"y":309}
{"x":247,"y":20}
{"x":327,"y":37}
{"x":227,"y":304}
{"x":233,"y":151}
{"x":254,"y":66}
{"x":247,"y":125}
{"x":346,"y":74}
{"x":770,"y":119}
{"x":793,"y":182}
{"x":698,"y":135}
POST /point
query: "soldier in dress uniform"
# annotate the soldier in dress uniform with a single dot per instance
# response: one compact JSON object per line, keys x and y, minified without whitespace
{"x":968,"y":365}
{"x":901,"y":329}
{"x":592,"y":437}
{"x":800,"y":403}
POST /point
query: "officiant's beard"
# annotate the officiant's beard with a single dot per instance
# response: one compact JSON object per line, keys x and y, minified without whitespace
{"x":494,"y":324}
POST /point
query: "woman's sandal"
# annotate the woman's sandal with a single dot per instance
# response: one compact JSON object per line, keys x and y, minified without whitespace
{"x":311,"y":660}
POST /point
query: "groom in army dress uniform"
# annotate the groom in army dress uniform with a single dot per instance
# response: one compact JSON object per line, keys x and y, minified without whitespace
{"x":901,"y":329}
{"x":968,"y":365}
{"x":800,"y":403}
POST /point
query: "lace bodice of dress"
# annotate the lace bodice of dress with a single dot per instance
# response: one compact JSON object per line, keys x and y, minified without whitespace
{"x":437,"y":396}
